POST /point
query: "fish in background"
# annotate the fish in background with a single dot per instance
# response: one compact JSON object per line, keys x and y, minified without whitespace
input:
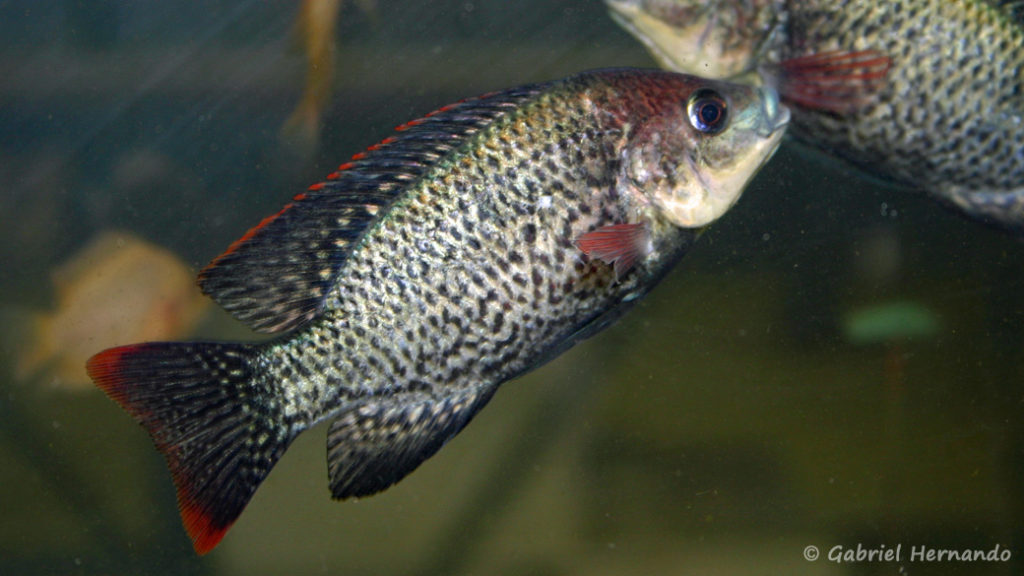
{"x":314,"y":30}
{"x":117,"y":289}
{"x":948,"y":118}
{"x":469,"y":247}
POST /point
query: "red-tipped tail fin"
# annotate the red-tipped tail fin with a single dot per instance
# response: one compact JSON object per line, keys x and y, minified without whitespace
{"x":839,"y":81}
{"x":199,"y":403}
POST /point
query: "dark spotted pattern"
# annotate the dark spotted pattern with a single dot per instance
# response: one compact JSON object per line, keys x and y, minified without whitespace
{"x":277,"y":276}
{"x":951,"y":117}
{"x":447,"y":264}
{"x":472,"y":277}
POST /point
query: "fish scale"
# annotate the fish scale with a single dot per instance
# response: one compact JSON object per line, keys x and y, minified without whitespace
{"x":431,"y":268}
{"x":450,"y":286}
{"x":947,"y":119}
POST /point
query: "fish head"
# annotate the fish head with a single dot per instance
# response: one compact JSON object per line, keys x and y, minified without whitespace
{"x":709,"y":38}
{"x":699,"y":145}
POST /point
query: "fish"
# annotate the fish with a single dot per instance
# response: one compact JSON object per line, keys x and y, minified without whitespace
{"x":314,"y":29}
{"x":116,"y":289}
{"x":469,"y":247}
{"x":944,"y":111}
{"x":715,"y":39}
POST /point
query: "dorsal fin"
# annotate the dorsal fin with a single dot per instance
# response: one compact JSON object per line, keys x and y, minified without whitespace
{"x":1013,"y":8}
{"x":276,"y":277}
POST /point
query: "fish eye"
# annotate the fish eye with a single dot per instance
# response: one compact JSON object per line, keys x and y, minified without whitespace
{"x":708,"y":111}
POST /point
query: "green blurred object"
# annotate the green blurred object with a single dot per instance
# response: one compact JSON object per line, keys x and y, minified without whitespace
{"x":888,"y":322}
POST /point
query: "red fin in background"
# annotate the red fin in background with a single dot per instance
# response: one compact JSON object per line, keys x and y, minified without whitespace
{"x":617,"y":244}
{"x":839,"y":81}
{"x":198,"y":401}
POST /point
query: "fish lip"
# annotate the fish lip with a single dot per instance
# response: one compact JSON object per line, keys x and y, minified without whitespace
{"x":776,"y":115}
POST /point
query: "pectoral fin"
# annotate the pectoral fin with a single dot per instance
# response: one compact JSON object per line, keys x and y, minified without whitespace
{"x":839,"y":81}
{"x":620,"y":245}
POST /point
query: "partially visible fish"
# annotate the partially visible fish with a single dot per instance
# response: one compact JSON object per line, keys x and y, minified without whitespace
{"x":714,"y":39}
{"x":466,"y":249}
{"x":948,"y":119}
{"x":314,"y":29}
{"x":116,"y":290}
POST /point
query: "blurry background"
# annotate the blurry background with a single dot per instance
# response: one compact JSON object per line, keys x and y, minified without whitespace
{"x":836,"y":363}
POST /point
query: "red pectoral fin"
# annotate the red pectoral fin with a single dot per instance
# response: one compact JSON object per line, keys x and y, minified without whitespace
{"x":617,"y":244}
{"x":839,"y":81}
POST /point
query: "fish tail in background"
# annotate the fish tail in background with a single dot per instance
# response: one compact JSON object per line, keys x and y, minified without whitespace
{"x":838,"y":81}
{"x":211,"y":414}
{"x":314,"y":30}
{"x":27,"y":335}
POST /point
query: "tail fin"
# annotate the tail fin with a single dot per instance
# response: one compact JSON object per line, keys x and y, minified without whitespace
{"x":210,"y":413}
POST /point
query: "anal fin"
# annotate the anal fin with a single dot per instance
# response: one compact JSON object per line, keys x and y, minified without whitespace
{"x":377,"y":443}
{"x":1001,"y":209}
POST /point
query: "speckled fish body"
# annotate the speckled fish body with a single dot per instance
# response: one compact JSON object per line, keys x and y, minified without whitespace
{"x":466,"y":249}
{"x":948,"y":119}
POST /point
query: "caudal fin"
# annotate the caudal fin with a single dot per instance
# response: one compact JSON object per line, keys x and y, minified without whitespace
{"x":211,"y":415}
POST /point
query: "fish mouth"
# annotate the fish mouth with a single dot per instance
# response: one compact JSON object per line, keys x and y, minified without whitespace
{"x":776,"y":115}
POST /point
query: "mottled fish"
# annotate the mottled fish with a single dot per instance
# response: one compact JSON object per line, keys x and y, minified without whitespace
{"x":948,"y":119}
{"x":117,"y":289}
{"x":468,"y":248}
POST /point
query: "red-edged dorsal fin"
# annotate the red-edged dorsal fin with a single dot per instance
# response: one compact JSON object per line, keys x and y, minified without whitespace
{"x":620,"y":245}
{"x":277,"y":276}
{"x":839,"y":81}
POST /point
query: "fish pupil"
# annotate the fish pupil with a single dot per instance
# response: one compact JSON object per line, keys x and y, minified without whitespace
{"x":707,"y":111}
{"x":710,"y":113}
